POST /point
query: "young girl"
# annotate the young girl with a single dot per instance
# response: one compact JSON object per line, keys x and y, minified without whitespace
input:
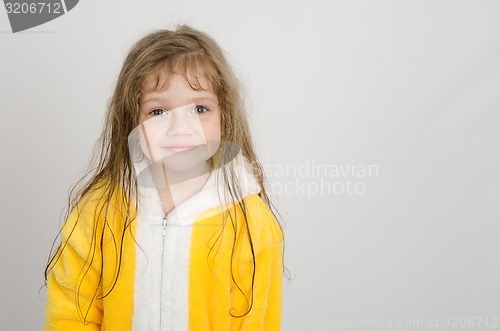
{"x":174,"y":229}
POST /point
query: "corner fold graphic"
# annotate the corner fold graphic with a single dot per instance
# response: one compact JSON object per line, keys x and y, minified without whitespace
{"x":70,"y":4}
{"x":26,"y":14}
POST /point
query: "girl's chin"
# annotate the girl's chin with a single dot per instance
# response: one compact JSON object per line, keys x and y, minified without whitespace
{"x":182,"y":163}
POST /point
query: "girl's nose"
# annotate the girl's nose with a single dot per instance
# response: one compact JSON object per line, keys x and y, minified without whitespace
{"x":181,"y":123}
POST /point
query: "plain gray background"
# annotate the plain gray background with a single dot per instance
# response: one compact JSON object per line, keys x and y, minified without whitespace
{"x":408,"y":89}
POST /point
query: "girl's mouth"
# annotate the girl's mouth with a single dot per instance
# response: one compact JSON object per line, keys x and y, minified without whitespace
{"x":179,"y":148}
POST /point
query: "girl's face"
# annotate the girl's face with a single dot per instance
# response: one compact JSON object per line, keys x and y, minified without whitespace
{"x":178,"y":125}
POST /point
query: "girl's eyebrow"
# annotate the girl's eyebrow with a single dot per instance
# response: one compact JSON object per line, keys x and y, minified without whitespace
{"x":152,"y":99}
{"x":204,"y":99}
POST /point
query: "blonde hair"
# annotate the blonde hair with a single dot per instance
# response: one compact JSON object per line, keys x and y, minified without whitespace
{"x":163,"y":52}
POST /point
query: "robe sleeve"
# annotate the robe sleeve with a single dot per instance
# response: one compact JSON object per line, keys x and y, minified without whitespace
{"x":73,"y":284}
{"x":267,"y":295}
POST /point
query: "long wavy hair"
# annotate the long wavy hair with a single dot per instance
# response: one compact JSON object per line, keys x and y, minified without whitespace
{"x":185,"y":50}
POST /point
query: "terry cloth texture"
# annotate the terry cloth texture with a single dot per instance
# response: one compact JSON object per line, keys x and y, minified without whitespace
{"x":184,"y":277}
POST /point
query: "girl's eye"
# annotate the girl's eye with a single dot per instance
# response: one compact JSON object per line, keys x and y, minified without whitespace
{"x":158,"y":111}
{"x":200,"y":110}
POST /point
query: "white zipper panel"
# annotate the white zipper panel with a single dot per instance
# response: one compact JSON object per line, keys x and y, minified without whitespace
{"x":160,"y":293}
{"x":147,"y":284}
{"x":175,"y":277}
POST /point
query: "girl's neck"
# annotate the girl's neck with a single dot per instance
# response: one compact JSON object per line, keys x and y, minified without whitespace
{"x":175,"y":188}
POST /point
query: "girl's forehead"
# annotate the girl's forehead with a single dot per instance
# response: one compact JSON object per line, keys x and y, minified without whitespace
{"x":160,"y":80}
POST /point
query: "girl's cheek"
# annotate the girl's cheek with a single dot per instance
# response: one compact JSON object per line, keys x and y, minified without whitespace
{"x":144,"y":146}
{"x":212,"y":138}
{"x":211,"y":131}
{"x":149,"y":142}
{"x":213,"y":134}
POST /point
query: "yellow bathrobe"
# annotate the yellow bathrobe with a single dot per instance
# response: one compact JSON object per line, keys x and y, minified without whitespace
{"x":175,"y":272}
